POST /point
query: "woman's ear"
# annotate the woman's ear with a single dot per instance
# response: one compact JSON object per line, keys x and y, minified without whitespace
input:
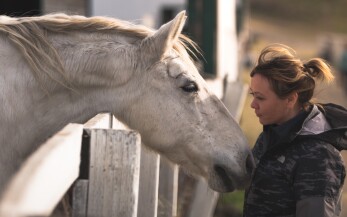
{"x":292,"y":99}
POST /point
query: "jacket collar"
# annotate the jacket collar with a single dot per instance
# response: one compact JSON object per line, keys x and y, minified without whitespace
{"x":326,"y":122}
{"x":319,"y":122}
{"x":315,"y":123}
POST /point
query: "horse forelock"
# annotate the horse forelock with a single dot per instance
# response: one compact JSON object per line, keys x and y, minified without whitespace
{"x":29,"y":34}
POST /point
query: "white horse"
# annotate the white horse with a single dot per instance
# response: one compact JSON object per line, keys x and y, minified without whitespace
{"x":56,"y":69}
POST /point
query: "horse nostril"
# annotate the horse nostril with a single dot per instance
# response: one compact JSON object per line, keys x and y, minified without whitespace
{"x":222,"y":173}
{"x":250,"y":165}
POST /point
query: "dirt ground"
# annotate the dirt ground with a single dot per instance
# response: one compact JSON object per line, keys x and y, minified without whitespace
{"x":307,"y":43}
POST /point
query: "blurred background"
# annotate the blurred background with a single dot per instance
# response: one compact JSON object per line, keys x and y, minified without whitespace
{"x":312,"y":28}
{"x":231,"y":34}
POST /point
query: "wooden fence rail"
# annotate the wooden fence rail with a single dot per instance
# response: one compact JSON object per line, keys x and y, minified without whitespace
{"x":110,"y":174}
{"x":45,"y":177}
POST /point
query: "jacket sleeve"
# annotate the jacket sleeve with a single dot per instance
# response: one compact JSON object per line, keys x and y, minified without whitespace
{"x":316,"y":207}
{"x":317,"y":182}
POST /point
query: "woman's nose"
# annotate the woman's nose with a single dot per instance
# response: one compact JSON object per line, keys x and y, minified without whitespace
{"x":253,"y":104}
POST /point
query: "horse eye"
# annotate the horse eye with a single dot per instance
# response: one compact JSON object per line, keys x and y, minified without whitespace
{"x":190,"y":87}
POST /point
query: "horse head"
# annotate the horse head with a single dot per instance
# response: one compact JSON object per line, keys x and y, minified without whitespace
{"x":179,"y":117}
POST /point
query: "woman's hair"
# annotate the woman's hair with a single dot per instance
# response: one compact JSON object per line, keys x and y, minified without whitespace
{"x":287,"y":73}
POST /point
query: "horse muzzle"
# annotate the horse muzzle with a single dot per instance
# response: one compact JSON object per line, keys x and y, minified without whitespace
{"x":226,"y":176}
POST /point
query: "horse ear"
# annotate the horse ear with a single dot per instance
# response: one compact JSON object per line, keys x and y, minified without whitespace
{"x":164,"y":38}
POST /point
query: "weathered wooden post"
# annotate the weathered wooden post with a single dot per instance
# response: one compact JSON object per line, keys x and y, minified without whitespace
{"x":149,"y":178}
{"x":168,"y":189}
{"x":149,"y":181}
{"x":113,"y":173}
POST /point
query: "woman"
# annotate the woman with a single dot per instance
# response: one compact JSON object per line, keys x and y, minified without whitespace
{"x":300,"y":171}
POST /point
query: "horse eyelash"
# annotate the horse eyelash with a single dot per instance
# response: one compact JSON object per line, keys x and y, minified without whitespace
{"x":190,"y":90}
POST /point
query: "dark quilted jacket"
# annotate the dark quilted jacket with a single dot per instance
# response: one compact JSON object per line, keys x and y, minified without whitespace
{"x":300,"y":171}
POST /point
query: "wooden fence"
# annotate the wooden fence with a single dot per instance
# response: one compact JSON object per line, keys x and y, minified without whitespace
{"x":105,"y":167}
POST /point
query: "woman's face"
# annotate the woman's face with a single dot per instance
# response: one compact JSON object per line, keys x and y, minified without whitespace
{"x":268,"y":107}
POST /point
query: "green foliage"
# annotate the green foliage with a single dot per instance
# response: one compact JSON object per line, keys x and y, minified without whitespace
{"x":235,"y":198}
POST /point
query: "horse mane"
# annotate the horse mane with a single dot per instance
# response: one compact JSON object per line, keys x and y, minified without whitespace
{"x":29,"y":34}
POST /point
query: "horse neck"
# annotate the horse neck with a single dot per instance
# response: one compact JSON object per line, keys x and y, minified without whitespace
{"x":94,"y":58}
{"x":102,"y":66}
{"x":29,"y":115}
{"x":98,"y":85}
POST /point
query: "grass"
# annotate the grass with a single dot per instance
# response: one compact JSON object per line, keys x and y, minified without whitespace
{"x":235,"y":198}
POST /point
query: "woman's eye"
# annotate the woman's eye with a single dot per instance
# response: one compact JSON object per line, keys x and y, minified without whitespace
{"x":260,"y":98}
{"x":190,"y":87}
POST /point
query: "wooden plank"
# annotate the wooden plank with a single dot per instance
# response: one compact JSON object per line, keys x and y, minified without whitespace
{"x":204,"y":202}
{"x":235,"y":97}
{"x":80,"y":198}
{"x":118,"y":125}
{"x":101,"y":121}
{"x":149,"y":178}
{"x":114,"y":173}
{"x":168,"y":189}
{"x":44,"y":177}
{"x":149,"y":182}
{"x":80,"y":188}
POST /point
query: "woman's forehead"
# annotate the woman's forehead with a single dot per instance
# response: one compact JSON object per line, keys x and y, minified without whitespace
{"x":260,"y":83}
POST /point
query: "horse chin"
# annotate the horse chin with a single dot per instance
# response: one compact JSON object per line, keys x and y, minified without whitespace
{"x":223,"y":181}
{"x":222,"y":184}
{"x":223,"y":189}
